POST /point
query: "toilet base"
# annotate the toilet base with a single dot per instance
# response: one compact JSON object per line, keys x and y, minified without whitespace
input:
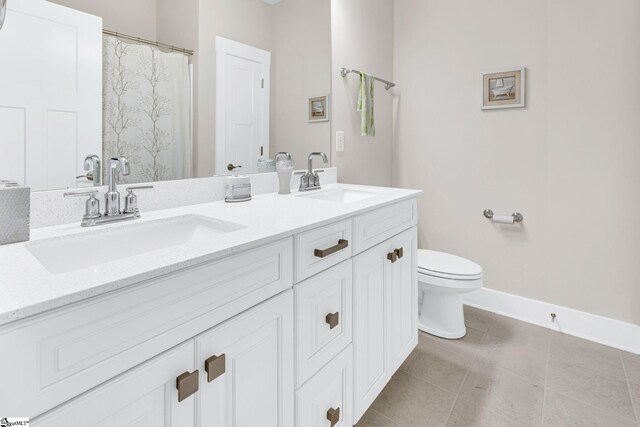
{"x":443,"y":334}
{"x":441,"y":312}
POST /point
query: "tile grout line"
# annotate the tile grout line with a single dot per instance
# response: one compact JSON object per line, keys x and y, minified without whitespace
{"x":546,"y":375}
{"x":385,"y":417}
{"x":466,"y":375}
{"x":628,"y":381}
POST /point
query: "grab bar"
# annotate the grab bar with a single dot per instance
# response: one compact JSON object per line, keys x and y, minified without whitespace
{"x":517,"y":216}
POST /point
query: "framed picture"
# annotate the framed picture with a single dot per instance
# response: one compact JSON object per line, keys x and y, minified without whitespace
{"x":503,"y":88}
{"x":319,"y":109}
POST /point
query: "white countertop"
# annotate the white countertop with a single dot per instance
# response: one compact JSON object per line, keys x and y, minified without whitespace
{"x":27,"y":288}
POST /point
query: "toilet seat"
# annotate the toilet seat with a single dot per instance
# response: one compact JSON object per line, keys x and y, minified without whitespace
{"x":447,"y":266}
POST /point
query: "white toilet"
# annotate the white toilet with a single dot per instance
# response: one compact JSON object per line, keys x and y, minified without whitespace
{"x":442,"y":280}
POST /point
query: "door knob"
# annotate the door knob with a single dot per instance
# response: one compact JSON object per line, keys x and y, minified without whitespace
{"x":231,"y":167}
{"x":187,"y":384}
{"x":215,"y":366}
{"x":333,"y":319}
{"x":333,"y":415}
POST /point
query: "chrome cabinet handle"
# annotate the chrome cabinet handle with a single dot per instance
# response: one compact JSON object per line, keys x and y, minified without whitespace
{"x":215,"y":366}
{"x":333,"y":415}
{"x":321,"y":253}
{"x":332,"y":319}
{"x":187,"y":384}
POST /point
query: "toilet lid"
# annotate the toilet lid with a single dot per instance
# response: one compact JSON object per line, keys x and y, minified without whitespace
{"x":440,"y":263}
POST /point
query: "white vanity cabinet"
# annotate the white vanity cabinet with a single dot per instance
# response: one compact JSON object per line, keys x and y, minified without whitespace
{"x":302,"y":331}
{"x":384,"y":314}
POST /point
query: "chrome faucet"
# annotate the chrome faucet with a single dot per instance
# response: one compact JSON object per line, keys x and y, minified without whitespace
{"x":311,"y":180}
{"x":112,"y":196}
{"x":112,"y":212}
{"x":93,"y":168}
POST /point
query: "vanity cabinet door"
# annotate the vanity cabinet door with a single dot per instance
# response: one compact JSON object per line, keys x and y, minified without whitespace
{"x":145,"y":396}
{"x":246,"y":368}
{"x":401,"y":300}
{"x":385,"y":315}
{"x":371,"y":272}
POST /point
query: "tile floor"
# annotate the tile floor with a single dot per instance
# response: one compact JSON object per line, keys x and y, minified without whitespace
{"x":510,"y":373}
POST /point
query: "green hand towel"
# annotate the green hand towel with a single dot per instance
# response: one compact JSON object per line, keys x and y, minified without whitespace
{"x":365,"y":105}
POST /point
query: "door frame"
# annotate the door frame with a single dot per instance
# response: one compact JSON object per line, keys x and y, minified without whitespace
{"x":225,"y":48}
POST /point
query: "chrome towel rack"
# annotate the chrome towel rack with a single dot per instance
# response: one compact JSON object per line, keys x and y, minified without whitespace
{"x":387,"y":84}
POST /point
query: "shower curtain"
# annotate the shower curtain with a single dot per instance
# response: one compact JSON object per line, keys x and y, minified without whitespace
{"x":147,"y":111}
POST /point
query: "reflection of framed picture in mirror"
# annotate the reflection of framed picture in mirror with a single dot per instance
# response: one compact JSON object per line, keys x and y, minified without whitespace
{"x":319,"y":109}
{"x":503,"y":88}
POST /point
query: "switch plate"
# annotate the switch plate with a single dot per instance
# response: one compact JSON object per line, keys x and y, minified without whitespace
{"x":340,"y":141}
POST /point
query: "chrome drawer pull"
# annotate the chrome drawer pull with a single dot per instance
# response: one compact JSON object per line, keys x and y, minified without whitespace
{"x":321,"y":253}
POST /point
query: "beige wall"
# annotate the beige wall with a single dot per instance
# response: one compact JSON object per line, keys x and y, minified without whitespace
{"x":244,"y":21}
{"x":136,"y":18}
{"x":362,"y":38}
{"x":300,"y":66}
{"x":568,"y":161}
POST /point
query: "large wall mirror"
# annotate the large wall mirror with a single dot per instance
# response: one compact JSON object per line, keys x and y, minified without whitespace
{"x":182,"y":88}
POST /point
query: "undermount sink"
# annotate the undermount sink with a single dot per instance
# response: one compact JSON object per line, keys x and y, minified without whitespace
{"x":79,"y":251}
{"x":342,"y":194}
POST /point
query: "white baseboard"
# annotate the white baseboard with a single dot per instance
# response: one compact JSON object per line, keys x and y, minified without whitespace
{"x":610,"y":332}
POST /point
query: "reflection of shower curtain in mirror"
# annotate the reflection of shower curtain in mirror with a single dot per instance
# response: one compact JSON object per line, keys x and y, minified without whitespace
{"x":146,"y":111}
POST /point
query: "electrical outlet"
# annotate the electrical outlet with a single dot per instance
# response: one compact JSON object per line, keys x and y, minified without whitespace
{"x":340,"y":141}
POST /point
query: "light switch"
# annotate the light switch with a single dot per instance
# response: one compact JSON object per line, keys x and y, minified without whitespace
{"x":340,"y":141}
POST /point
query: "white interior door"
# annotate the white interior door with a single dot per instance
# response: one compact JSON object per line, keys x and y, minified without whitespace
{"x":242,"y":106}
{"x":50,"y":93}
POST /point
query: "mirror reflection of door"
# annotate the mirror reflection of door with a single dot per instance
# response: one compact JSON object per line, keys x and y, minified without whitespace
{"x":242,"y":106}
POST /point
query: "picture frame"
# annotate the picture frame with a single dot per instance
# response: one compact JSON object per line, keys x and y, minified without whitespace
{"x":504,"y":88}
{"x":319,"y":109}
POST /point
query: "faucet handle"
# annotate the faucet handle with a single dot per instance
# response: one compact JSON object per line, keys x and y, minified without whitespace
{"x":131,"y":200}
{"x":139,"y":187}
{"x":92,"y":205}
{"x":80,"y":193}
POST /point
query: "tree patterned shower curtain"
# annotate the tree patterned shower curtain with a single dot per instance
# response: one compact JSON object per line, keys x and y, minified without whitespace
{"x":147,"y":111}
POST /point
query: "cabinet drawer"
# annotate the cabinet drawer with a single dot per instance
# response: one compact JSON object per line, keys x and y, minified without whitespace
{"x":144,"y":396}
{"x":328,"y":395}
{"x":69,"y":351}
{"x":377,"y":226}
{"x":322,"y":247}
{"x":323,"y":318}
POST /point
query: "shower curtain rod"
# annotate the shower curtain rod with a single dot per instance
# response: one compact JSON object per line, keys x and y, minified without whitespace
{"x":148,"y":42}
{"x":387,"y":84}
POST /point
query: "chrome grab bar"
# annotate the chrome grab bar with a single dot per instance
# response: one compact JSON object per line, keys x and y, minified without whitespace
{"x":517,"y":216}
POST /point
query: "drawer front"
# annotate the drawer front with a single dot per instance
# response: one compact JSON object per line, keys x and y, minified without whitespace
{"x":71,"y":350}
{"x":326,"y":399}
{"x":323,"y":319}
{"x":321,"y":248}
{"x":377,"y":226}
{"x":144,"y":396}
